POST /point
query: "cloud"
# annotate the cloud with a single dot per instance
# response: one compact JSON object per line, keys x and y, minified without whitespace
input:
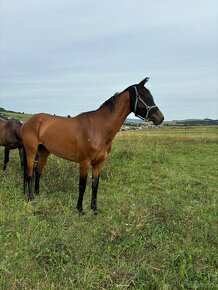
{"x":78,"y":53}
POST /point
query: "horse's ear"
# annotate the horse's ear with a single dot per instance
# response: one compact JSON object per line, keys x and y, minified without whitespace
{"x":142,"y":83}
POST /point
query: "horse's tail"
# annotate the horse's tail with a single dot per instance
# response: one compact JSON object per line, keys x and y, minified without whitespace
{"x":21,"y":155}
{"x":24,"y":171}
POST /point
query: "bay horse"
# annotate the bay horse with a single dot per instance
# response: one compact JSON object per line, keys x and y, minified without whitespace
{"x":85,"y":139}
{"x":10,"y":138}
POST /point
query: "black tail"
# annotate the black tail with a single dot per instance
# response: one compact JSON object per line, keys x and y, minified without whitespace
{"x":21,"y":154}
{"x":24,"y":171}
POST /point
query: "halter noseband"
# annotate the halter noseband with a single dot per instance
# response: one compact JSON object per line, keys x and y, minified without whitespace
{"x":135,"y":99}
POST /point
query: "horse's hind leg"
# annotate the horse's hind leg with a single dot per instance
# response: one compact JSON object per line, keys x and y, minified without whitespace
{"x":6,"y":157}
{"x":95,"y":182}
{"x":42,"y":159}
{"x":28,"y":175}
{"x":84,"y":169}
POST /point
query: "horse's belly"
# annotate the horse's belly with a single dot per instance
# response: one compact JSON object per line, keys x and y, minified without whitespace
{"x":62,"y":150}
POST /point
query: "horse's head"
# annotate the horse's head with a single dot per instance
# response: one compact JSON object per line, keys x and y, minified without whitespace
{"x":142,"y":103}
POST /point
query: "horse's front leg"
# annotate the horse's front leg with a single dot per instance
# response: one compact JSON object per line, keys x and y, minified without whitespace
{"x":6,"y":157}
{"x":95,"y":182}
{"x":84,"y":168}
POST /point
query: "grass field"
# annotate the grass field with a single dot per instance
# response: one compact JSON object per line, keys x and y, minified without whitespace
{"x":22,"y":117}
{"x":157,"y":230}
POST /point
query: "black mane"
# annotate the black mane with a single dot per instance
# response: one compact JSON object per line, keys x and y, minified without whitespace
{"x":110,"y":102}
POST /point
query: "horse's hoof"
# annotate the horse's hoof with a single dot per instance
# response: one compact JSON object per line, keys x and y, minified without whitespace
{"x":81,"y":213}
{"x":4,"y":168}
{"x":31,"y":199}
{"x":38,"y":213}
{"x":96,"y":212}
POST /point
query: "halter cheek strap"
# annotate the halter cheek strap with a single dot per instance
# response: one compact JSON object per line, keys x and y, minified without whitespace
{"x":146,"y":107}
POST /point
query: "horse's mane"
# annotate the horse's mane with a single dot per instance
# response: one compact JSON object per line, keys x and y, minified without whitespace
{"x":110,"y":102}
{"x":3,"y":118}
{"x":12,"y":120}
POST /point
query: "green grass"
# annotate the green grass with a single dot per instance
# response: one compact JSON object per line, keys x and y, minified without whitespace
{"x":22,"y":117}
{"x":157,"y":230}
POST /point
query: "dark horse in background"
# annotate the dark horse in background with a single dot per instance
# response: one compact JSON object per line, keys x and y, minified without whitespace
{"x":10,"y":138}
{"x":85,"y":139}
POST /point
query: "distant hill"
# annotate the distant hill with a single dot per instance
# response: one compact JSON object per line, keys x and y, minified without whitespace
{"x":2,"y":110}
{"x":129,"y":121}
{"x":188,"y":122}
{"x":8,"y":114}
{"x":192,"y":122}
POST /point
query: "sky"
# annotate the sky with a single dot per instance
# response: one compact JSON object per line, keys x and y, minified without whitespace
{"x":65,"y":57}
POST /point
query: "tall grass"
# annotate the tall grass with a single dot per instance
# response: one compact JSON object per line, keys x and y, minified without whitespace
{"x":157,"y":230}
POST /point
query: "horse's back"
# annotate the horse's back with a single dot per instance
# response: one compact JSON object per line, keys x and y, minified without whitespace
{"x":31,"y":128}
{"x":74,"y":139}
{"x":13,"y":125}
{"x":2,"y":124}
{"x":56,"y":134}
{"x":10,"y":133}
{"x":42,"y":122}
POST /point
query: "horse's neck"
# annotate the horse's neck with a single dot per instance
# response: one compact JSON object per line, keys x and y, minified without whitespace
{"x":114,"y":119}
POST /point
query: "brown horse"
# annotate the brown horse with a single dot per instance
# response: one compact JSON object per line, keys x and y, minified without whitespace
{"x":10,"y":138}
{"x":86,"y":138}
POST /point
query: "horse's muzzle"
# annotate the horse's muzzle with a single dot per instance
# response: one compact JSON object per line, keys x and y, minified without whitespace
{"x":157,"y":117}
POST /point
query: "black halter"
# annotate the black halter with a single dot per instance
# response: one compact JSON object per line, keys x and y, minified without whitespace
{"x":142,"y":113}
